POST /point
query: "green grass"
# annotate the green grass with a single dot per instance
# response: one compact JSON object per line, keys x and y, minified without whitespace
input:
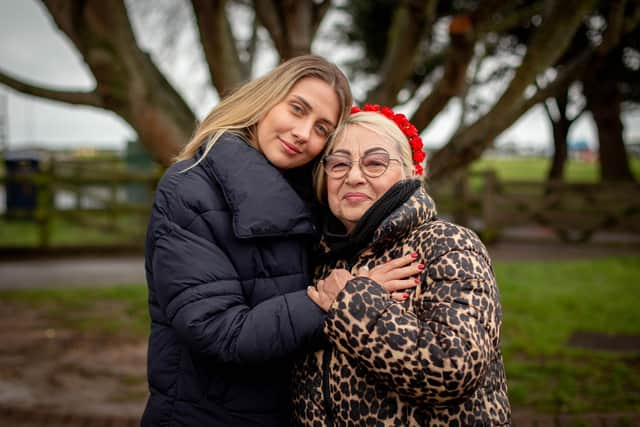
{"x":25,"y":233}
{"x":543,"y":304}
{"x":535,"y":169}
{"x":118,"y":310}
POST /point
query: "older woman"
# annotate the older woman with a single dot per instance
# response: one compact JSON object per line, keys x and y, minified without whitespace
{"x":432,"y":359}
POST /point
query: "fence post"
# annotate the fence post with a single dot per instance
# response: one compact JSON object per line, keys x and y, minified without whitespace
{"x":45,"y":203}
{"x":491,"y":230}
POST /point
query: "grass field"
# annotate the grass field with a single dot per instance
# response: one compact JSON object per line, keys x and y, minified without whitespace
{"x":543,"y":304}
{"x":535,"y":169}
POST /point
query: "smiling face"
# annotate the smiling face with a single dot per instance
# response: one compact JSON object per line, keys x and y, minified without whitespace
{"x":296,"y":129}
{"x":352,"y":195}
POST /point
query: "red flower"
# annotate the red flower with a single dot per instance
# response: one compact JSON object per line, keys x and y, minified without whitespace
{"x":409,"y":130}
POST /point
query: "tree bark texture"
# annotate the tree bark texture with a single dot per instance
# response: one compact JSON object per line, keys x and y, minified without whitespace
{"x":604,"y":100}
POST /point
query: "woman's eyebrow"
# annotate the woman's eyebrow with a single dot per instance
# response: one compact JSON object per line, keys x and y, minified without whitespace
{"x":375,"y":149}
{"x":342,"y":152}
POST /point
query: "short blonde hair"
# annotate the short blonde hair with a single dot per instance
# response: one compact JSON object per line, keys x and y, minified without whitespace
{"x":377,"y":123}
{"x":240,"y":112}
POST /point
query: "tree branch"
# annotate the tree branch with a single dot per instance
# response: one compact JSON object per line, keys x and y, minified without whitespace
{"x":71,"y":97}
{"x":218,"y":44}
{"x":407,"y":28}
{"x":290,"y":23}
{"x":452,"y":82}
{"x":547,"y":45}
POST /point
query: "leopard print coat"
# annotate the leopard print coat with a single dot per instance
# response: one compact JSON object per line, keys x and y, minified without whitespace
{"x":432,"y":360}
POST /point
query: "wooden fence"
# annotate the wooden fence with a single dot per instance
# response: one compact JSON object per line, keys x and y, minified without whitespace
{"x":573,"y":211}
{"x":107,"y":196}
{"x":100,"y":194}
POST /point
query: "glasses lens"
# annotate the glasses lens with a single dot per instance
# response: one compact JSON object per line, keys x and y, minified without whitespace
{"x":374,"y":164}
{"x":337,"y":165}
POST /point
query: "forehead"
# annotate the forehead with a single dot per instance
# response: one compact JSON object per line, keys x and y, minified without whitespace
{"x":357,"y":139}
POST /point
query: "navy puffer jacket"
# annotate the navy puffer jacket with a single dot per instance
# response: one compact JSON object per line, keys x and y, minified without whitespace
{"x":227,"y":268}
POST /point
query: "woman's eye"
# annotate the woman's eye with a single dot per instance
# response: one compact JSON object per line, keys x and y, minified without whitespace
{"x":322,"y":130}
{"x":296,"y":109}
{"x":339,"y":165}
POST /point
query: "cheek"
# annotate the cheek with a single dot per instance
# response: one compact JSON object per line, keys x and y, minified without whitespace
{"x":317,"y":145}
{"x":332,"y":195}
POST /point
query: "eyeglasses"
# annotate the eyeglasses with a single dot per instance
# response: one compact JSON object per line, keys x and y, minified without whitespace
{"x":372,"y":164}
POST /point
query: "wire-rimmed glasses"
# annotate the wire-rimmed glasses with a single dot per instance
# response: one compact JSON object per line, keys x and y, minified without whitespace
{"x":372,"y":164}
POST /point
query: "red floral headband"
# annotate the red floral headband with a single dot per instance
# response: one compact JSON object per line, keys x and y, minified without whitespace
{"x":410,"y":131}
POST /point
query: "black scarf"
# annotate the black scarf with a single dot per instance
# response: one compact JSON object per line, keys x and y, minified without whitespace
{"x":347,"y":246}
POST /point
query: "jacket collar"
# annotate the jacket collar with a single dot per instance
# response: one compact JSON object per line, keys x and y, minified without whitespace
{"x":260,"y":199}
{"x":414,"y":210}
{"x":418,"y":210}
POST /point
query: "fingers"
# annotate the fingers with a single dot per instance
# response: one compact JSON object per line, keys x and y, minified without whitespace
{"x":399,"y":285}
{"x":400,"y":296}
{"x":402,"y":261}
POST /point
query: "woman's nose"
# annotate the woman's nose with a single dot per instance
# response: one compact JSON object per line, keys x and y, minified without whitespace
{"x":354,"y":175}
{"x":302,"y":130}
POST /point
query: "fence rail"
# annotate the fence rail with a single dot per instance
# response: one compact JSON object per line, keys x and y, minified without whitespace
{"x":100,"y":195}
{"x":107,"y":197}
{"x":573,"y":211}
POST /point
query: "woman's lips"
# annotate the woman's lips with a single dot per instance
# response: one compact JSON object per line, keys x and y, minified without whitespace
{"x":289,"y":148}
{"x":355,"y":197}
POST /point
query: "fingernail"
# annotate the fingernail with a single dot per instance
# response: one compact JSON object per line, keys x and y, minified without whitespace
{"x":421,"y":266}
{"x":405,"y":296}
{"x":414,"y":255}
{"x":416,"y":280}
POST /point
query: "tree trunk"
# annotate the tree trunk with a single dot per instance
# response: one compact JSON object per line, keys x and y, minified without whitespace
{"x":603,"y":100}
{"x":560,"y":126}
{"x":127,"y":81}
{"x":559,"y":159}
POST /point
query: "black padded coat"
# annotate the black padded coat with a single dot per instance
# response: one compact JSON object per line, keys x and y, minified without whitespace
{"x":226,"y":263}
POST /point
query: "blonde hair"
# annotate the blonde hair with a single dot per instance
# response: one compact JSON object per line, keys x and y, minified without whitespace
{"x":240,"y":112}
{"x":377,"y":123}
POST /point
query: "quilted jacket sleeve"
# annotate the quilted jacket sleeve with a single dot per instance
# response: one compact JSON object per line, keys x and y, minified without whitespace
{"x":439,"y":349}
{"x":200,"y":293}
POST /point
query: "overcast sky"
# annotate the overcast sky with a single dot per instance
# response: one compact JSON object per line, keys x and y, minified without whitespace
{"x":32,"y":49}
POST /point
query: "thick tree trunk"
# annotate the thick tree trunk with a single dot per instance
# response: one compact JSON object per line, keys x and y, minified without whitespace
{"x":603,"y":100}
{"x":127,"y":81}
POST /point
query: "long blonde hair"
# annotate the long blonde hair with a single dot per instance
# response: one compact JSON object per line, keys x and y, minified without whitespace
{"x":240,"y":112}
{"x":377,"y":123}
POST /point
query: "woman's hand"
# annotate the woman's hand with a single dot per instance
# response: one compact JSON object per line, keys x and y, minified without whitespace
{"x":396,"y":275}
{"x":326,"y":291}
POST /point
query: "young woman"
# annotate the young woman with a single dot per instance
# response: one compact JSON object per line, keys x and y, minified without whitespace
{"x":433,"y":359}
{"x":226,"y":252}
